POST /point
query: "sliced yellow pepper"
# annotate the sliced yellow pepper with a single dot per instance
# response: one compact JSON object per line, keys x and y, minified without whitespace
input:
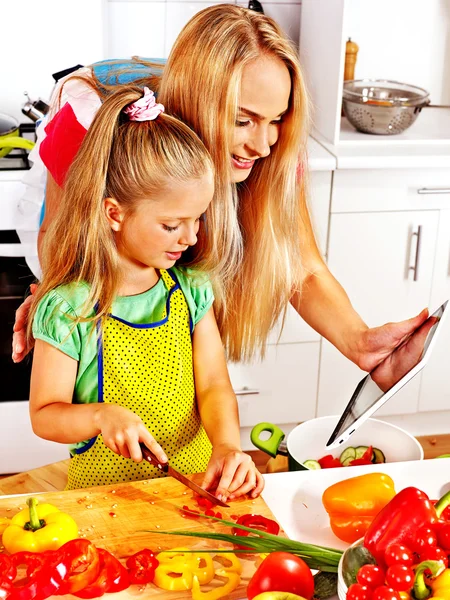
{"x":233,"y":580}
{"x":39,"y":528}
{"x":234,"y":567}
{"x":177,"y":568}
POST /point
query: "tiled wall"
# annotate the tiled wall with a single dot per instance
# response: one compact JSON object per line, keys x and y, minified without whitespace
{"x":149,"y":27}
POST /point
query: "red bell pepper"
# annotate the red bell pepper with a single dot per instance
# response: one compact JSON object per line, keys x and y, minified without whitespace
{"x":81,"y":560}
{"x":398,"y":522}
{"x":113,"y":577}
{"x":366,"y":458}
{"x":255,"y":522}
{"x":141,"y":566}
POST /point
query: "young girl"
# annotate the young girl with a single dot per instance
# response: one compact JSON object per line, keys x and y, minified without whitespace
{"x":121,"y":333}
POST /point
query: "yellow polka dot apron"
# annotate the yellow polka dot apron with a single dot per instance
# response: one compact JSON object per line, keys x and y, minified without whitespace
{"x":147,"y":368}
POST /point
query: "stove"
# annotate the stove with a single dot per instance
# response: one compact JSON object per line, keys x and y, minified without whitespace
{"x":17,"y":159}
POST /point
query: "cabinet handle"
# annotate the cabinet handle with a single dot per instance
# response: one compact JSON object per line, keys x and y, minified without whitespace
{"x":245,"y":391}
{"x":415,"y":268}
{"x":433,"y":191}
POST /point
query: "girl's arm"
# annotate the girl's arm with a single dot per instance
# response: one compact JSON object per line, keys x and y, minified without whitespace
{"x":230,"y":471}
{"x":54,"y":417}
{"x":325,"y":306}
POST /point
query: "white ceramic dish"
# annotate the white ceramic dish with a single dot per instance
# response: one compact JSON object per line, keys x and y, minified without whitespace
{"x":295,"y":498}
{"x":308,"y":440}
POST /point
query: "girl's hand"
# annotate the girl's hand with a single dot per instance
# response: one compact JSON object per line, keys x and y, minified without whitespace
{"x":19,"y":345}
{"x":374,"y":345}
{"x":122,"y":430}
{"x":232,"y":473}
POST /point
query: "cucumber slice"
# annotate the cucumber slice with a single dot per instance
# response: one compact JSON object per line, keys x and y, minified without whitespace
{"x":360,"y":451}
{"x":312,"y":465}
{"x":348,"y":461}
{"x":379,"y":456}
{"x":348,"y":453}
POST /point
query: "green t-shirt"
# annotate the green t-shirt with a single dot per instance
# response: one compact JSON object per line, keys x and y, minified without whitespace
{"x":53,"y":322}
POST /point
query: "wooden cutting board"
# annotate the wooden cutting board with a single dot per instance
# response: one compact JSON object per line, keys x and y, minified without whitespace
{"x":115,"y":517}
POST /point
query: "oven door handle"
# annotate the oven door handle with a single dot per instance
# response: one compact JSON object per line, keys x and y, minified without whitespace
{"x":18,"y":250}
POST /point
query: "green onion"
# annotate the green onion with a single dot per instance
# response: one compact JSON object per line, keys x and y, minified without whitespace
{"x":316,"y":557}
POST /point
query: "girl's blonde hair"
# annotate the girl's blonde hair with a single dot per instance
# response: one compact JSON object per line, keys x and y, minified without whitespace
{"x":129,"y":161}
{"x":258,"y":224}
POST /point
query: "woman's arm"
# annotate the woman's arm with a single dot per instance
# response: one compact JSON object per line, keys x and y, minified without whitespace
{"x":54,"y":416}
{"x":325,"y":306}
{"x":230,"y":470}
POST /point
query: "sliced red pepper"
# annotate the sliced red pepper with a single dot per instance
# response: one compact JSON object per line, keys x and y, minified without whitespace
{"x":81,"y":559}
{"x":113,"y":577}
{"x":329,"y":462}
{"x":365,"y":459}
{"x":255,"y":522}
{"x":7,"y":569}
{"x":141,"y":566}
{"x":8,"y":573}
{"x":44,"y":575}
{"x":204,"y":502}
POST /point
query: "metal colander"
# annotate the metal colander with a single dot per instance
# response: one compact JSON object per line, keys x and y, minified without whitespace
{"x":382,"y":107}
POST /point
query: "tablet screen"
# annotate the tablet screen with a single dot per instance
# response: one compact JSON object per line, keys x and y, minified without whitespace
{"x":390,"y":375}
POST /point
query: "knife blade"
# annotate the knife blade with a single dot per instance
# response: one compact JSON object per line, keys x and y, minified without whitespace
{"x":166,"y":468}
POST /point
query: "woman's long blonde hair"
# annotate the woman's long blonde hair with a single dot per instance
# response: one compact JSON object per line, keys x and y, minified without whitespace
{"x":128,"y":161}
{"x":257,"y":224}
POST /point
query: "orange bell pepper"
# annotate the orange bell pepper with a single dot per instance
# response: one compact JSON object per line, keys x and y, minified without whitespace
{"x":353,"y":503}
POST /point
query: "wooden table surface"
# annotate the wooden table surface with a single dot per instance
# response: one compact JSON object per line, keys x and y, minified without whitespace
{"x":54,"y":477}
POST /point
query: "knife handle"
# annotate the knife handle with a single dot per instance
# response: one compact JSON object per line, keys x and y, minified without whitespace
{"x":151,"y":458}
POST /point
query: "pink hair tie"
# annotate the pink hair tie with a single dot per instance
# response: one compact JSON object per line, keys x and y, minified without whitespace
{"x":144,"y":109}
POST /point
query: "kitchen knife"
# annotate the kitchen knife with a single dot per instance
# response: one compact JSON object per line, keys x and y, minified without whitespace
{"x":166,"y":468}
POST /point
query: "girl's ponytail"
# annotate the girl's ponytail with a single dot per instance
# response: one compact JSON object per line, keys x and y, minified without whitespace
{"x":123,"y":159}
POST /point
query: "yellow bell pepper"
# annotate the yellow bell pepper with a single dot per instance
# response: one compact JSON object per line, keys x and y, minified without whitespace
{"x":177,"y":568}
{"x":441,"y":585}
{"x":39,"y":528}
{"x":353,"y":503}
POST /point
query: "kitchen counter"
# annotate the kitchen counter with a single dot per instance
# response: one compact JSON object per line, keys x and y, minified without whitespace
{"x":319,"y":158}
{"x":426,"y":144}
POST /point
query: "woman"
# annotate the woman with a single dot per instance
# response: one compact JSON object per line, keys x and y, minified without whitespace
{"x":235,"y":79}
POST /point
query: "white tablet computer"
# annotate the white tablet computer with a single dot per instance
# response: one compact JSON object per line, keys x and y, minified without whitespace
{"x":388,"y":377}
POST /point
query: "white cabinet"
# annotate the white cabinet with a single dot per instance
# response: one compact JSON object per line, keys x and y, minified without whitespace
{"x":435,"y":388}
{"x":283,"y":387}
{"x":377,"y":219}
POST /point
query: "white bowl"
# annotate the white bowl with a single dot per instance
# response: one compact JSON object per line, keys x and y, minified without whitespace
{"x":308,"y":440}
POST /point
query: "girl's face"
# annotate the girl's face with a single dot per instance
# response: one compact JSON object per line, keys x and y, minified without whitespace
{"x":160,"y":229}
{"x":265,"y":92}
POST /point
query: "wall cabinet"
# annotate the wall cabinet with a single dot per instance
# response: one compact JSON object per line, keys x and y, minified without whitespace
{"x":389,"y":246}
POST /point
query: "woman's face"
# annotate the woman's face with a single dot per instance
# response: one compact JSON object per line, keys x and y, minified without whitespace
{"x":265,"y":92}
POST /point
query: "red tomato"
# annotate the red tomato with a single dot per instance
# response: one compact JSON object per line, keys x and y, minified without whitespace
{"x":443,"y":536}
{"x":400,"y":578}
{"x":385,"y":593}
{"x":282,"y":572}
{"x":371,"y":576}
{"x":359,"y":592}
{"x":424,"y":538}
{"x":398,"y":554}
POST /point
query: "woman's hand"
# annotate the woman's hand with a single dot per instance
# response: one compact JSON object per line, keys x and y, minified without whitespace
{"x":20,"y":348}
{"x":374,"y":345}
{"x":123,"y":430}
{"x":232,"y":473}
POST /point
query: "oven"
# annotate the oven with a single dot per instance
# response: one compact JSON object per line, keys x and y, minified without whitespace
{"x":20,"y":448}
